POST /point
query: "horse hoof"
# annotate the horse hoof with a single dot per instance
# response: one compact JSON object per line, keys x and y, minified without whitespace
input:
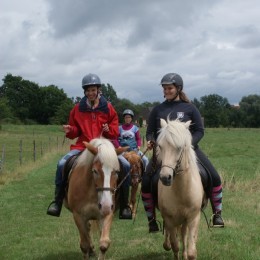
{"x":166,"y":247}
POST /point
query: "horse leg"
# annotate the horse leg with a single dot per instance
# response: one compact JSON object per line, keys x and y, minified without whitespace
{"x":166,"y":243}
{"x":86,"y":245}
{"x":192,"y":237}
{"x":104,"y":241}
{"x":174,"y":240}
{"x":133,"y":199}
{"x":184,"y":236}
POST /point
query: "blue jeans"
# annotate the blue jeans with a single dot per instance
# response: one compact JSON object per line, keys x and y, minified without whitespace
{"x":60,"y":165}
{"x":144,"y":159}
{"x":126,"y":169}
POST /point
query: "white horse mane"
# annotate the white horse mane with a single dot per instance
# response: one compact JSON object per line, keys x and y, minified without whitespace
{"x":176,"y":134}
{"x":106,"y":154}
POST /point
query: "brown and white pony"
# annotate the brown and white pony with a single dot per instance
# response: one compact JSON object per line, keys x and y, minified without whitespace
{"x":136,"y":173}
{"x":180,"y":191}
{"x":90,"y":196}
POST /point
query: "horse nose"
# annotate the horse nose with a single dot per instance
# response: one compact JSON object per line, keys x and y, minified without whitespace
{"x":99,"y":205}
{"x":112,"y":207}
{"x":166,"y":180}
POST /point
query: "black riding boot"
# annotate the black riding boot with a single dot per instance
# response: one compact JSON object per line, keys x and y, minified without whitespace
{"x":54,"y":208}
{"x":125,"y":211}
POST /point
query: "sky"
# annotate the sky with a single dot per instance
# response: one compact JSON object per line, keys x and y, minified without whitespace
{"x":132,"y":44}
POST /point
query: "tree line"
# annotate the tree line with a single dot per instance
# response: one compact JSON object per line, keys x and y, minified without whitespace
{"x":25,"y":102}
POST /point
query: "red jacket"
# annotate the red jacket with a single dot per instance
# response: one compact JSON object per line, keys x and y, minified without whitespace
{"x":87,"y":123}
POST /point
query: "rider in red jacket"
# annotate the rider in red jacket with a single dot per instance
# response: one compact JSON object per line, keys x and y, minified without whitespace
{"x":86,"y":123}
{"x":93,"y":117}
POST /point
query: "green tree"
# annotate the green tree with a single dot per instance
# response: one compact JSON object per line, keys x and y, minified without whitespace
{"x":22,"y":95}
{"x":61,"y":115}
{"x":215,"y":110}
{"x":51,"y":99}
{"x":5,"y":110}
{"x":250,"y":110}
{"x":109,"y":93}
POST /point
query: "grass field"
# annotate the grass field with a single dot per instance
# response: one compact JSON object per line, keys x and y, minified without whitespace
{"x":26,"y":232}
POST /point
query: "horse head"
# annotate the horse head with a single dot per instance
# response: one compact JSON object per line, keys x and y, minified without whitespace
{"x":104,"y":173}
{"x":136,"y":167}
{"x":173,"y":139}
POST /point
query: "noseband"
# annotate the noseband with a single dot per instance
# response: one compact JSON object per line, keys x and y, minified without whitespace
{"x":176,"y":170}
{"x":106,"y":189}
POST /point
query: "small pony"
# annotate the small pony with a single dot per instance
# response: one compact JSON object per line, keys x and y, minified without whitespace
{"x":180,"y":191}
{"x":136,"y":172}
{"x":90,"y":196}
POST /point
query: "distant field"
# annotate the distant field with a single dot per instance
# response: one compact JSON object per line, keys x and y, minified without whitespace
{"x":26,"y":232}
{"x":20,"y":145}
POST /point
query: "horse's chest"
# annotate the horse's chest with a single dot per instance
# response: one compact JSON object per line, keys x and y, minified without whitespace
{"x":91,"y":211}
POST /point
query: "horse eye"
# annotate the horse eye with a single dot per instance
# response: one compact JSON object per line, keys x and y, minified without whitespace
{"x":95,"y":172}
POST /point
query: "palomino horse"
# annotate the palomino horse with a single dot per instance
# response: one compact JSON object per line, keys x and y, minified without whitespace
{"x":90,"y":196}
{"x":180,"y":191}
{"x":136,"y":172}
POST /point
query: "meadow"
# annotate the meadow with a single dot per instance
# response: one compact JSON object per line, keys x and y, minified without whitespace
{"x":26,"y":232}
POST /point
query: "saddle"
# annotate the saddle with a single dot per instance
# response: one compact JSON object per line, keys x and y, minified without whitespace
{"x":67,"y":169}
{"x":205,"y":179}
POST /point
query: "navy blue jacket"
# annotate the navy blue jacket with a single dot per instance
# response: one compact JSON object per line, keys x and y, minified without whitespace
{"x":184,"y":111}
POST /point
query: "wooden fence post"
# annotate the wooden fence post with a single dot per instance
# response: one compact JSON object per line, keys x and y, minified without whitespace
{"x":2,"y":161}
{"x":34,"y":151}
{"x":20,"y":151}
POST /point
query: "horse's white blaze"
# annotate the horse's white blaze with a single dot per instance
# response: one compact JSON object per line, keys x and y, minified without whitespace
{"x":106,"y":199}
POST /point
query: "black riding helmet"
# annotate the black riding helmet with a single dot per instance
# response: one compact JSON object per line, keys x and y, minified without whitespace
{"x":172,"y":78}
{"x":91,"y":80}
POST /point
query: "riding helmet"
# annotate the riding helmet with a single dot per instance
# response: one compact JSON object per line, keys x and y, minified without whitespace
{"x":128,"y":112}
{"x":172,"y":78}
{"x":91,"y":80}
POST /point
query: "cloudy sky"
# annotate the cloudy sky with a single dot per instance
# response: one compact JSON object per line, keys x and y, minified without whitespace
{"x":131,"y":44}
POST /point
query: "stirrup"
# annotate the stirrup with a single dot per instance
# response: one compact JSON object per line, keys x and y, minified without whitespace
{"x":153,"y":226}
{"x":216,"y":221}
{"x":128,"y":215}
{"x":54,"y":209}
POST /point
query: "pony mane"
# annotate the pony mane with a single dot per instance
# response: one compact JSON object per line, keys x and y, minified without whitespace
{"x":177,"y":134}
{"x":106,"y":154}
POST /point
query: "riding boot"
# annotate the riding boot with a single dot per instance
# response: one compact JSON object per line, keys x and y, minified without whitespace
{"x":54,"y":208}
{"x":216,"y":204}
{"x":125,"y":211}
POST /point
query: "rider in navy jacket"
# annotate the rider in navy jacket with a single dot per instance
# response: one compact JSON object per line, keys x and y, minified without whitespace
{"x":178,"y":106}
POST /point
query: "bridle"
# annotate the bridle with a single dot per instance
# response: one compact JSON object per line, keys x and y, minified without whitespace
{"x":177,"y":169}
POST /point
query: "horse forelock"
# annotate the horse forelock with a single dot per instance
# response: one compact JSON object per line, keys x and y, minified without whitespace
{"x":106,"y":153}
{"x":175,"y":133}
{"x":85,"y":158}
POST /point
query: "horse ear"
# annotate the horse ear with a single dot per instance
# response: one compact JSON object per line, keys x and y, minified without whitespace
{"x":187,"y":124}
{"x":120,"y":150}
{"x":91,"y":148}
{"x":163,"y":123}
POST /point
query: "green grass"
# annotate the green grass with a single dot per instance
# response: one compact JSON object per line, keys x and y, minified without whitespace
{"x":26,"y":232}
{"x":46,"y":139}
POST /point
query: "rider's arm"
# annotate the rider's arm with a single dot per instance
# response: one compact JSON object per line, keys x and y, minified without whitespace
{"x":197,"y":129}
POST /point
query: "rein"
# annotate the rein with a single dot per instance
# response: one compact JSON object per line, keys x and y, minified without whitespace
{"x":113,"y":189}
{"x":120,"y":184}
